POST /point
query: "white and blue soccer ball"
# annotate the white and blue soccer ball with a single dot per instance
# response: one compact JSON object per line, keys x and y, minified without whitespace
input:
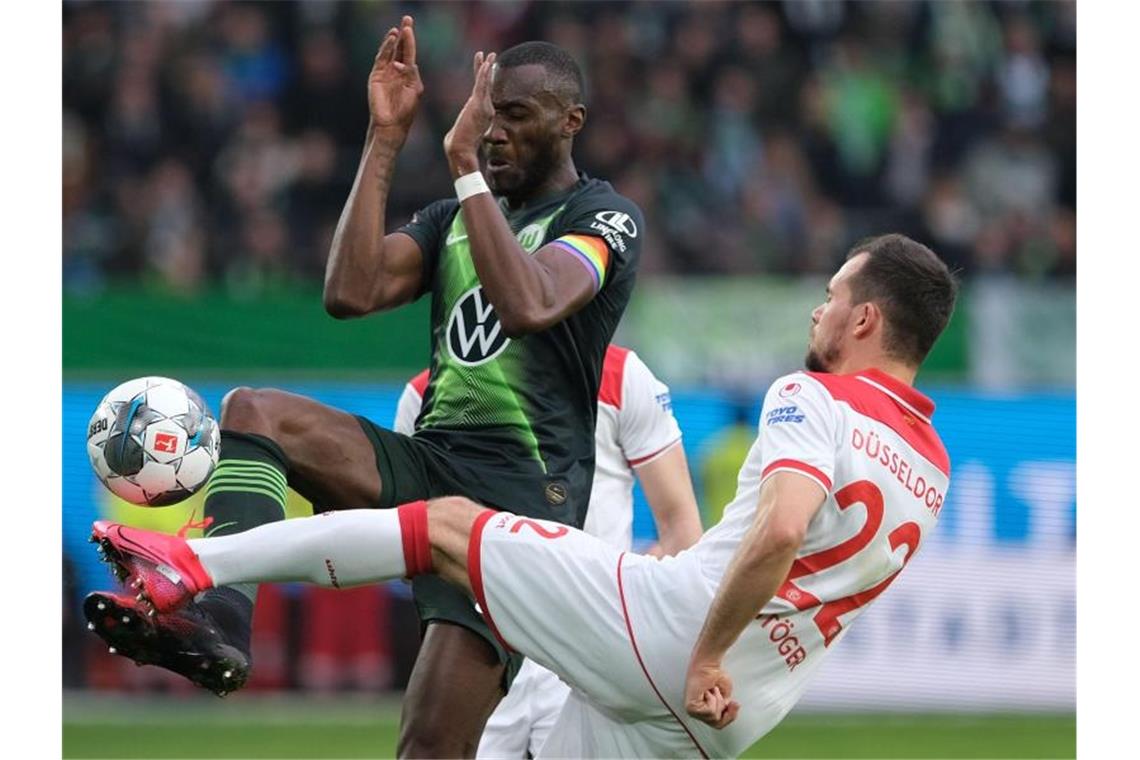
{"x":153,"y":441}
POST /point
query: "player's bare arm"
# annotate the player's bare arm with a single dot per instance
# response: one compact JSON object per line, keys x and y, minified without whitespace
{"x":669,"y":491}
{"x":788,"y":502}
{"x":367,"y":270}
{"x":529,"y":293}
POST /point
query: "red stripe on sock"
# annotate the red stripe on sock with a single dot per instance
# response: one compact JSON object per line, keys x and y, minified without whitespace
{"x":414,"y":535}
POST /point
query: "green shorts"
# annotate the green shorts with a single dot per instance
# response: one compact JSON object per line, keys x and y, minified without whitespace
{"x":411,"y":469}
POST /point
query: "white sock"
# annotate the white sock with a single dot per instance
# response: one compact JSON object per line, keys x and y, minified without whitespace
{"x":334,"y":549}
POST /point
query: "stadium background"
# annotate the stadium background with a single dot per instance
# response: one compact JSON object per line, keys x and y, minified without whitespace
{"x":208,"y":148}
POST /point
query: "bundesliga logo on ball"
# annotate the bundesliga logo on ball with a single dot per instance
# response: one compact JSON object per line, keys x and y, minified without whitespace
{"x":152,"y":441}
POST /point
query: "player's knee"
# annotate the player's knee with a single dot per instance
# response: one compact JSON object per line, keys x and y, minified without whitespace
{"x":247,"y":410}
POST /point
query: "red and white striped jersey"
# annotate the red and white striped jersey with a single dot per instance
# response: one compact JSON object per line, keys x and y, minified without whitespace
{"x":635,"y":426}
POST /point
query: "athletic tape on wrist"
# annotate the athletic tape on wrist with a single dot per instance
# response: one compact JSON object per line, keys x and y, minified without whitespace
{"x":470,"y":184}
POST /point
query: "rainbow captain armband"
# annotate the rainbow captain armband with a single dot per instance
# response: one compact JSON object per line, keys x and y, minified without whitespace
{"x":591,"y":251}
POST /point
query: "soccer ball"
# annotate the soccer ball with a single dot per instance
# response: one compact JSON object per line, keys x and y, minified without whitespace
{"x":153,"y":441}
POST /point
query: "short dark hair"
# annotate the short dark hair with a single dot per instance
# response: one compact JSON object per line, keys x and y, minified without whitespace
{"x":912,"y":286}
{"x":565,"y":75}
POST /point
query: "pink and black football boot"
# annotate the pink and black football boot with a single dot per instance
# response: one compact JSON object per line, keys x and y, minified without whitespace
{"x":157,"y":623}
{"x":161,"y":569}
{"x":190,"y":642}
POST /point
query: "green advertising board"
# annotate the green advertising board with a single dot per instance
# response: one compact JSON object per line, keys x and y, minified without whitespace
{"x":730,"y":333}
{"x":129,"y":331}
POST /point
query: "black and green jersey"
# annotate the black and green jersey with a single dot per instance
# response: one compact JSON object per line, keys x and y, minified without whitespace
{"x":524,"y":406}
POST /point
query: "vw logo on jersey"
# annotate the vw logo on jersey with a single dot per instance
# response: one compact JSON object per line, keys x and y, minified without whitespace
{"x":474,"y":335}
{"x":618,"y":220}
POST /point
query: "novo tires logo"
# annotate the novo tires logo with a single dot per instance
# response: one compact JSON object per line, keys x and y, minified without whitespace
{"x":474,"y":335}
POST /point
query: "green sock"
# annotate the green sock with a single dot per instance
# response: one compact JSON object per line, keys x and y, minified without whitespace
{"x":247,"y":489}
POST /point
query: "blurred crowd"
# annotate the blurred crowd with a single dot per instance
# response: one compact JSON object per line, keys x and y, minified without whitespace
{"x":215,"y":142}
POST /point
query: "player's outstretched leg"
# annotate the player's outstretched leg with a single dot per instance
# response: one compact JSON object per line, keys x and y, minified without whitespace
{"x":270,"y":440}
{"x":335,"y":549}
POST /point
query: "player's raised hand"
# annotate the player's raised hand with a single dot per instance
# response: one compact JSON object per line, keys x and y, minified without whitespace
{"x":708,"y":694}
{"x":394,"y":85}
{"x":477,"y":114}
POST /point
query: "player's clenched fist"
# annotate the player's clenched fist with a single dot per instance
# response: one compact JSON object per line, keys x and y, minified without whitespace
{"x":708,"y":695}
{"x":394,"y":86}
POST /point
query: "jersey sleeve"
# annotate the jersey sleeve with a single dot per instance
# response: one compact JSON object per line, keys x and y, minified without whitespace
{"x":799,"y":429}
{"x":646,"y":425}
{"x":603,"y":230}
{"x":407,"y":410}
{"x":427,"y":228}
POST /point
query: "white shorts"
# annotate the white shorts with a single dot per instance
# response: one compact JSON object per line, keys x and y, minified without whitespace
{"x":585,"y":730}
{"x":554,"y":594}
{"x":520,"y":724}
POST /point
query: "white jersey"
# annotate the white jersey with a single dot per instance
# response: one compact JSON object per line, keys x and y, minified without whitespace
{"x":868,"y":441}
{"x":620,"y":628}
{"x":635,"y":426}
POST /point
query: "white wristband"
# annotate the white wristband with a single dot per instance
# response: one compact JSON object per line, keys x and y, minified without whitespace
{"x":470,"y":184}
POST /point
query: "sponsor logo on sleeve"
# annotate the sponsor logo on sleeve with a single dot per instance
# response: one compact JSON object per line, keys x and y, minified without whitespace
{"x":619,"y":221}
{"x":785,"y":414}
{"x":789,"y":390}
{"x":665,"y":401}
{"x":615,"y":226}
